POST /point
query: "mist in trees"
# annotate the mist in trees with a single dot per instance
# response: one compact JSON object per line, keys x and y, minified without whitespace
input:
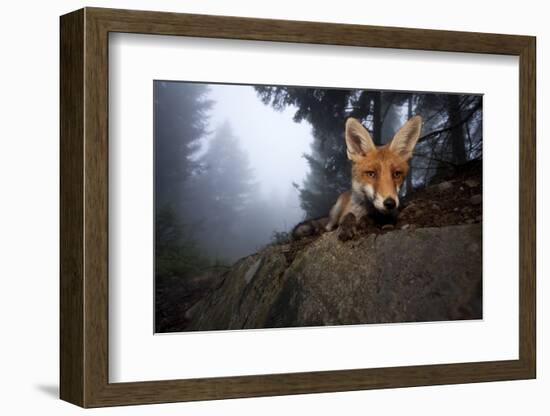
{"x":236,"y":167}
{"x":224,"y":203}
{"x":222,"y":190}
{"x":180,"y":123}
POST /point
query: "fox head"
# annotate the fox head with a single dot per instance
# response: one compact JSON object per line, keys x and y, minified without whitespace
{"x":379,"y":171}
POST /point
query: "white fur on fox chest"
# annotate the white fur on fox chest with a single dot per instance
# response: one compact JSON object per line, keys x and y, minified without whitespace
{"x":355,"y":208}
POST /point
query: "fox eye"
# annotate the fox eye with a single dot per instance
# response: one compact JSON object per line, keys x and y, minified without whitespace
{"x":397,"y":174}
{"x":370,"y":173}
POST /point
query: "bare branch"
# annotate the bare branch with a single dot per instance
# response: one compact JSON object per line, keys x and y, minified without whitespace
{"x":454,"y":126}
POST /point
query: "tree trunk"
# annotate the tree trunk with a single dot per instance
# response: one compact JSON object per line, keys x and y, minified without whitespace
{"x":456,"y":134}
{"x":377,"y":118}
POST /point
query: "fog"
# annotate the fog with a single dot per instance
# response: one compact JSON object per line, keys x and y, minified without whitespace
{"x":227,"y":166}
{"x":275,"y":144}
{"x":236,"y":166}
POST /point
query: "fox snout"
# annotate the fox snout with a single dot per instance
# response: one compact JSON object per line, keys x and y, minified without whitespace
{"x":387,"y":205}
{"x":390,"y":203}
{"x":383,"y":202}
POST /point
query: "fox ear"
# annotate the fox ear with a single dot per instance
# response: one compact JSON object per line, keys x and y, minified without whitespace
{"x":405,"y":139}
{"x":358,"y":140}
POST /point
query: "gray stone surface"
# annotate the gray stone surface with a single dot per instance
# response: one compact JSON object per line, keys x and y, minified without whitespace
{"x":425,"y":274}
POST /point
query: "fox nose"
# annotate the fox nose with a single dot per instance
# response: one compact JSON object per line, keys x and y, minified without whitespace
{"x":389,"y":203}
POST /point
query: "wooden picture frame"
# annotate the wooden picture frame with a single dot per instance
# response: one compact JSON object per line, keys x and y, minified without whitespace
{"x":84,"y":207}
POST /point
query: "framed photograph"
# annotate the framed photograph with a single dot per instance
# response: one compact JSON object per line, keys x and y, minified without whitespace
{"x":255,"y":207}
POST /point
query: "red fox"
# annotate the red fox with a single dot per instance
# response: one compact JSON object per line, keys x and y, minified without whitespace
{"x":377,"y":175}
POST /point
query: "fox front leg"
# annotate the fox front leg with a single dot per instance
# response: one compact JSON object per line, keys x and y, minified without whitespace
{"x":348,"y":227}
{"x":335,"y":213}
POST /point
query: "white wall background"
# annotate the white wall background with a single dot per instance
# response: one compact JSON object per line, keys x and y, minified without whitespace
{"x":29,"y":85}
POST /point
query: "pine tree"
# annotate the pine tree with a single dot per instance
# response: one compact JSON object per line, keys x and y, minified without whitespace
{"x":181,"y":120}
{"x":219,"y":194}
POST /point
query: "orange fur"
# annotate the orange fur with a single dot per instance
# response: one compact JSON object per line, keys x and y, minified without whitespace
{"x":377,"y":171}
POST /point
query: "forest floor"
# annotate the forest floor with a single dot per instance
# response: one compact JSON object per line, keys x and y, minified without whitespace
{"x":175,"y":297}
{"x":453,"y":200}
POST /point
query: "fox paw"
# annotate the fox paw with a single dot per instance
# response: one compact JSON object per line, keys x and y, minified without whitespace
{"x":348,"y":228}
{"x":363,"y":223}
{"x":346,"y":234}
